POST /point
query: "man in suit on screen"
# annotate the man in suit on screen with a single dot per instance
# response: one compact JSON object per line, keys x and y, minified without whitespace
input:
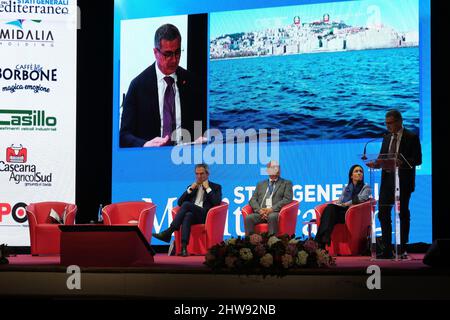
{"x":163,"y":99}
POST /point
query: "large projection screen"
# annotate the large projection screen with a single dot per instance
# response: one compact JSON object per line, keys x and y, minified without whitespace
{"x":316,"y":76}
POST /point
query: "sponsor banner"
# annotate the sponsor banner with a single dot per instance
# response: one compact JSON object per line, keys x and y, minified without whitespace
{"x":37,"y":110}
{"x":50,"y":10}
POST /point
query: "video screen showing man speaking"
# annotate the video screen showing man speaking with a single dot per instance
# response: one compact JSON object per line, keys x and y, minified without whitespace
{"x":165,"y":104}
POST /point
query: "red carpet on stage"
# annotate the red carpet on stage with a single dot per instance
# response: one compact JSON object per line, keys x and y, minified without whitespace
{"x":195,"y":263}
{"x":43,"y":276}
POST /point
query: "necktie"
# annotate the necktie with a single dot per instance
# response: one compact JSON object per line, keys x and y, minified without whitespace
{"x":268,"y":194}
{"x":270,"y":188}
{"x":169,"y":121}
{"x":393,"y":146}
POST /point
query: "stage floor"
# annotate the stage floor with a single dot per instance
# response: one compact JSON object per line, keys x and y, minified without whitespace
{"x":407,"y":279}
{"x":176,"y":264}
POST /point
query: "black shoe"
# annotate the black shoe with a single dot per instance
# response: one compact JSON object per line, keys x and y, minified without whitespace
{"x":184,"y":252}
{"x":165,"y":235}
{"x":385,"y":255}
{"x":321,"y":245}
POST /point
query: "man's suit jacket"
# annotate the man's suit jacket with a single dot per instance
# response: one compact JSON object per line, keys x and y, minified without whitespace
{"x":141,"y":120}
{"x":410,"y":148}
{"x":212,"y":199}
{"x":281,"y":196}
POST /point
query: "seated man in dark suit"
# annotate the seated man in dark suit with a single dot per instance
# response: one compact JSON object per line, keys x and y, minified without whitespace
{"x":163,"y":99}
{"x":268,"y":199}
{"x":195,"y":202}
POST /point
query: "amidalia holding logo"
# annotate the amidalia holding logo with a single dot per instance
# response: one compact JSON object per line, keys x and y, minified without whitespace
{"x":14,"y":32}
{"x":26,"y":120}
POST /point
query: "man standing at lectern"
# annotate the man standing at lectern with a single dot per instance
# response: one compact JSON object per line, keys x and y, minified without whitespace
{"x":404,"y":142}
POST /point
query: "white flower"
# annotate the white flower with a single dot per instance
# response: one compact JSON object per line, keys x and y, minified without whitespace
{"x":287,"y":260}
{"x":322,"y":257}
{"x":272,"y":240}
{"x":293,"y":241}
{"x":246,"y":254}
{"x":302,"y":257}
{"x":267,"y":260}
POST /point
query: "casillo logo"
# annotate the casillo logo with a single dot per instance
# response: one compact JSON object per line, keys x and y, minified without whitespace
{"x":16,"y":154}
{"x":26,"y":118}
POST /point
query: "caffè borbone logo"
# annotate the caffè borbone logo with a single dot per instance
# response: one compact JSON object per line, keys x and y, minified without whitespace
{"x":29,"y":77}
{"x":25,"y":33}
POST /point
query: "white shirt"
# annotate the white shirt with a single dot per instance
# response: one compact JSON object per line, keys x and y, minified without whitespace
{"x":199,"y":196}
{"x":162,"y":85}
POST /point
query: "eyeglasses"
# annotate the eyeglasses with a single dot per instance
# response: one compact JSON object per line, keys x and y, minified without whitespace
{"x":170,"y":54}
{"x":391,"y":122}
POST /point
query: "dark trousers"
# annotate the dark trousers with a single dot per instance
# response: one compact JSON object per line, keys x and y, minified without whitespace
{"x":385,"y":204}
{"x":331,"y":216}
{"x":255,"y":218}
{"x":188,"y":215}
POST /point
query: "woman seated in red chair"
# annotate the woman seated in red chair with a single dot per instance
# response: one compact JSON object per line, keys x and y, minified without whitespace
{"x":355,"y":192}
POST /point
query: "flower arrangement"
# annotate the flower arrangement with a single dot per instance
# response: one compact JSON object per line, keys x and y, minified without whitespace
{"x":267,"y":254}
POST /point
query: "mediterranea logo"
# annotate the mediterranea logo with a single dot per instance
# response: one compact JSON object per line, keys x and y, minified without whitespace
{"x":44,"y":7}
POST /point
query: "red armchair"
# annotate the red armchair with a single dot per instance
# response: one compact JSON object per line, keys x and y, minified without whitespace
{"x":204,"y":236}
{"x":128,"y":213}
{"x":287,"y":219}
{"x":44,"y":233}
{"x":350,"y":238}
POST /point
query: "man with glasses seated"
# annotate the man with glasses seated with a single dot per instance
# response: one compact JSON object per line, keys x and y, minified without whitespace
{"x":163,"y":99}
